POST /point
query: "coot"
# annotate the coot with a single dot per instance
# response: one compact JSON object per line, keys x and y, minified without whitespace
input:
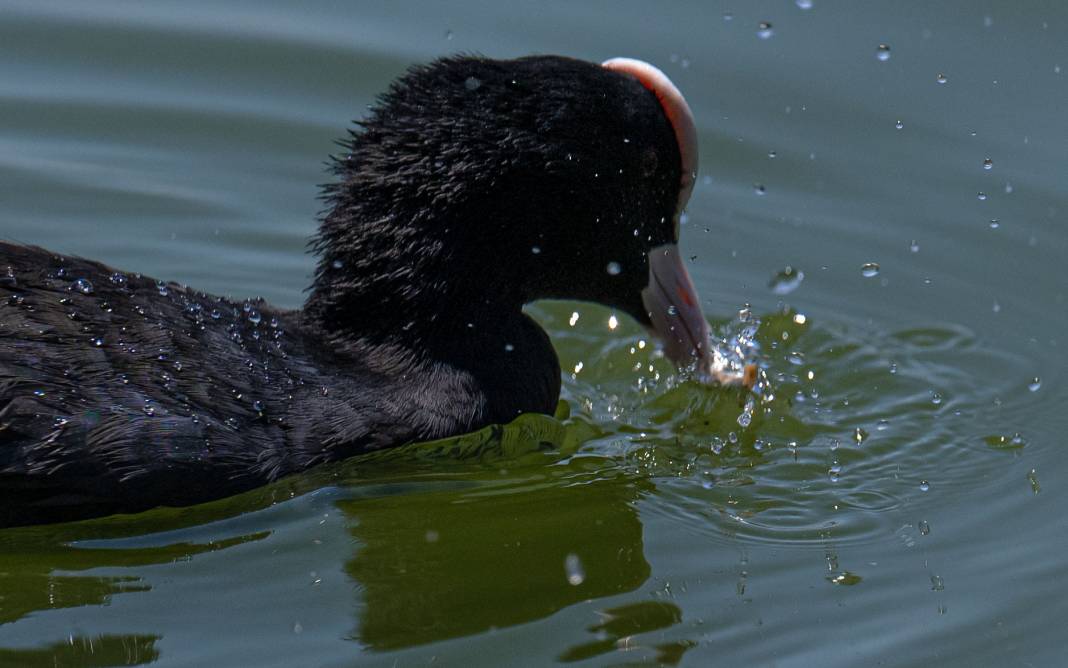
{"x":475,"y":186}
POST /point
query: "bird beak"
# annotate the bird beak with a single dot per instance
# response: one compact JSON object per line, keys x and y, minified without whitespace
{"x":675,"y":312}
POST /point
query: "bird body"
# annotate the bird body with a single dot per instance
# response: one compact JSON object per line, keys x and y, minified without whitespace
{"x":474,"y":187}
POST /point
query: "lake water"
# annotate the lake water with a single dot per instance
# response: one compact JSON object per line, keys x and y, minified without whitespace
{"x":899,"y":497}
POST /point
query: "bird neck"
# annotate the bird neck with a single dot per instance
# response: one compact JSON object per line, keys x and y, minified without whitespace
{"x":495,"y":354}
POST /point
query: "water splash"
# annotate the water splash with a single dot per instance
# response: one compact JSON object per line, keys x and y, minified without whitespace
{"x":83,"y":286}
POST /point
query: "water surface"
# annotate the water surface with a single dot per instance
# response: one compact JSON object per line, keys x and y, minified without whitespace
{"x":897,"y":497}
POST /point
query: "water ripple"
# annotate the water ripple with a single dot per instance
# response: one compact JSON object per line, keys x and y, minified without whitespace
{"x":854,"y":425}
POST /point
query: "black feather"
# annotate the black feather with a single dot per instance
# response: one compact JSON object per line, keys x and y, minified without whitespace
{"x":474,"y":187}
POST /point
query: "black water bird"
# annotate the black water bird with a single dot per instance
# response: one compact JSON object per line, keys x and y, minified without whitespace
{"x":475,"y":186}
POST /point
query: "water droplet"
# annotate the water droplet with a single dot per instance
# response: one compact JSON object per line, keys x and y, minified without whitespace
{"x":254,"y":316}
{"x":899,"y":124}
{"x":914,"y":246}
{"x":759,"y":189}
{"x":804,"y":4}
{"x":845,"y":578}
{"x":936,"y":398}
{"x":578,"y":367}
{"x":745,"y":418}
{"x":576,"y":574}
{"x":1035,"y":385}
{"x":472,"y":83}
{"x":796,"y":358}
{"x":38,"y":393}
{"x":536,"y":250}
{"x":337,"y":264}
{"x":883,"y":52}
{"x":673,"y":310}
{"x":772,"y":154}
{"x":118,"y":278}
{"x":728,"y":16}
{"x":508,"y":347}
{"x":765,"y":31}
{"x":924,"y":527}
{"x":162,"y":288}
{"x":988,"y":164}
{"x":257,"y":406}
{"x":981,"y":196}
{"x":216,"y":314}
{"x":834,"y":473}
{"x":995,"y":223}
{"x":937,"y":584}
{"x":1002,"y":442}
{"x":859,"y":435}
{"x":786,"y":281}
{"x":869,"y":269}
{"x":941,"y":78}
{"x":83,"y":286}
{"x":97,"y":341}
{"x":613,"y":269}
{"x":924,"y":486}
{"x":573,"y":319}
{"x":1032,"y":478}
{"x":148,"y":408}
{"x":612,"y":322}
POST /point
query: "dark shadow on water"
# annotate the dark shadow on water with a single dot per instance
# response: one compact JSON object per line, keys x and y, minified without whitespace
{"x":447,"y":562}
{"x":35,"y":576}
{"x":618,"y":626}
{"x":86,"y":652}
{"x":40,"y":570}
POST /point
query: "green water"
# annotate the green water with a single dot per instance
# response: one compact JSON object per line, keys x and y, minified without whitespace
{"x":185,"y":140}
